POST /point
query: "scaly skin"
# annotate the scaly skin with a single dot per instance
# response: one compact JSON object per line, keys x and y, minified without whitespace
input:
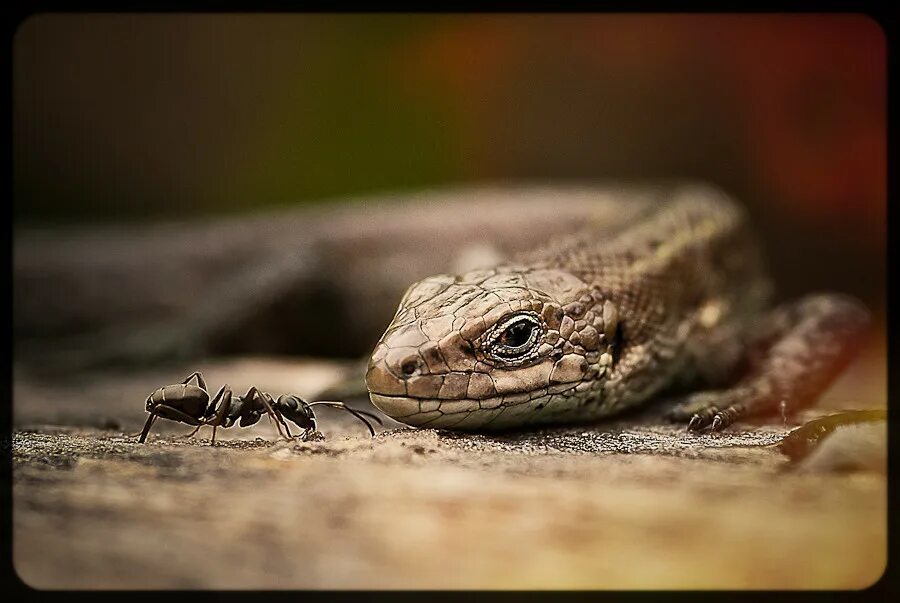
{"x":672,"y":294}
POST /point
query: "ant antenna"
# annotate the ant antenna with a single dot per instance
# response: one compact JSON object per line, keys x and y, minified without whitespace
{"x":359,"y":414}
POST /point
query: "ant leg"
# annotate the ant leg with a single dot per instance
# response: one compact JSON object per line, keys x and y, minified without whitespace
{"x":181,"y":416}
{"x":211,"y":406}
{"x":252,"y":394}
{"x":275,"y":407}
{"x":213,"y":441}
{"x":206,"y":419}
{"x":287,"y":428}
{"x":272,"y":412}
{"x":218,"y":419}
{"x":279,"y":418}
{"x":196,"y":429}
{"x":146,"y":429}
{"x":200,"y":380}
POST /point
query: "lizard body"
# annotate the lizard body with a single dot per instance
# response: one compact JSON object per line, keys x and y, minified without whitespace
{"x":667,"y":295}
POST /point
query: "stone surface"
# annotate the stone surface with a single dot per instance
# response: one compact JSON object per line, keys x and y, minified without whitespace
{"x":633,"y":503}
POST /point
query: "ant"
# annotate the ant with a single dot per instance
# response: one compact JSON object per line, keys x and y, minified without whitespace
{"x":191,"y":404}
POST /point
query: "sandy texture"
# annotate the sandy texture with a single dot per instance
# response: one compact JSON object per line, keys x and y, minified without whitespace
{"x":634,"y":503}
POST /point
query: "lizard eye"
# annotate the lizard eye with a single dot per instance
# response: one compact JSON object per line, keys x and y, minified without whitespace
{"x":515,"y":339}
{"x":516,"y":335}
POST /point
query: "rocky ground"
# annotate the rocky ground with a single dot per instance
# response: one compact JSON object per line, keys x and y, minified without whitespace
{"x":634,"y":503}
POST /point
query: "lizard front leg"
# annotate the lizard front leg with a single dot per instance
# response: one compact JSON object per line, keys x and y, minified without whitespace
{"x":793,"y":354}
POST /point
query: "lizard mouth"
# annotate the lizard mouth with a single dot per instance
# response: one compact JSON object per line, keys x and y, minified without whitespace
{"x":487,"y":413}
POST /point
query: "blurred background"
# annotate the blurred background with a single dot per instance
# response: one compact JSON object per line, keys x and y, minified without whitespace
{"x":144,"y":117}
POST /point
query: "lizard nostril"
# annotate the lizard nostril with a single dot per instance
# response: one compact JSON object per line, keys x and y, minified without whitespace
{"x":409,"y":367}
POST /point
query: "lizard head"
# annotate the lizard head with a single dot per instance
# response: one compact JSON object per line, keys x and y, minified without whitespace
{"x":491,"y":348}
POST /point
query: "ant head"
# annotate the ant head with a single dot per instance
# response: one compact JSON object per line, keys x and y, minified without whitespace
{"x":295,"y":409}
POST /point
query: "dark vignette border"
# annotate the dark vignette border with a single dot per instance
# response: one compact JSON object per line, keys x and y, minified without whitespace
{"x":17,"y":12}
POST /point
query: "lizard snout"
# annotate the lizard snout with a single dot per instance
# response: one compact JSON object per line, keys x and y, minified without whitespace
{"x":388,"y":372}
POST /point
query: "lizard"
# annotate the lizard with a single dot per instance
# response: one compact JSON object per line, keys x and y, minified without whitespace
{"x":670,"y":300}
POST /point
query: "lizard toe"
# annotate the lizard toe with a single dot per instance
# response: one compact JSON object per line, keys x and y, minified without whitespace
{"x":726,"y":417}
{"x":702,"y":418}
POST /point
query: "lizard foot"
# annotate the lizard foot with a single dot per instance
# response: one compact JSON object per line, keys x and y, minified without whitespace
{"x":715,"y":419}
{"x":726,"y":417}
{"x":702,"y":410}
{"x":796,"y":351}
